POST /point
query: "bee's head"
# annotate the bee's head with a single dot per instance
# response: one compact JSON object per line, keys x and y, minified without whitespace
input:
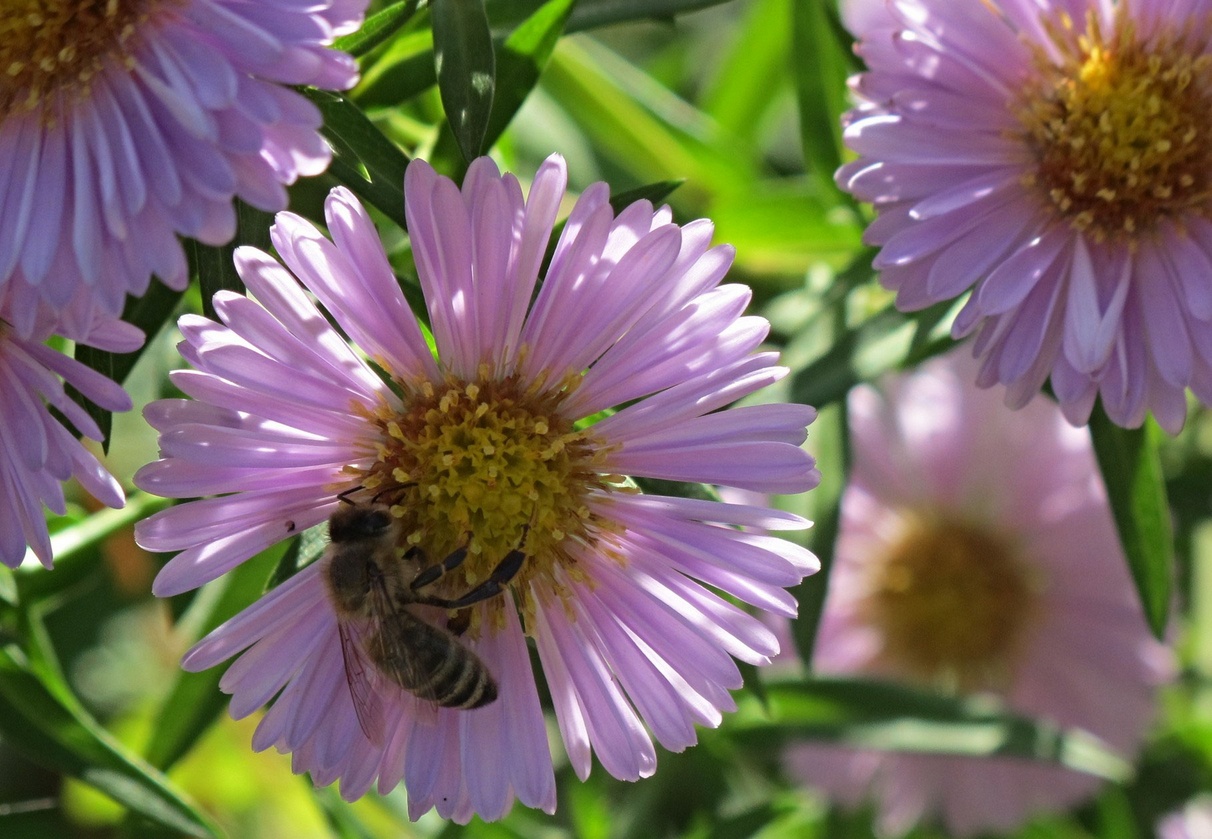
{"x":356,"y":522}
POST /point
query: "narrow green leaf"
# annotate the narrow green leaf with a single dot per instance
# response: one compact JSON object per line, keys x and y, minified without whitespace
{"x":888,"y":340}
{"x":590,"y":14}
{"x":654,"y":193}
{"x":810,"y":594}
{"x":378,"y":28}
{"x":821,"y":67}
{"x":213,"y":265}
{"x":466,"y":69}
{"x":1132,"y":473}
{"x":404,"y":71}
{"x":637,"y":123}
{"x":8,"y":586}
{"x":892,"y":717}
{"x":342,"y":821}
{"x":301,"y":552}
{"x":365,"y":160}
{"x":407,"y":68}
{"x":36,"y":722}
{"x":749,"y":76}
{"x":520,"y":62}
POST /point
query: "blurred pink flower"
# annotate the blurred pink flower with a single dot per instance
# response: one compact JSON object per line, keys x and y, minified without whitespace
{"x":977,"y":554}
{"x":126,"y":124}
{"x":506,"y":439}
{"x":1194,"y":821}
{"x":1053,"y":158}
{"x":37,"y":453}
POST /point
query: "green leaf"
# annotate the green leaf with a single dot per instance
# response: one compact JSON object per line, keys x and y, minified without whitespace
{"x":149,"y":313}
{"x":590,"y":14}
{"x":403,"y":71}
{"x":8,"y":586}
{"x":888,"y":340}
{"x":466,"y":69}
{"x":750,"y":75}
{"x":302,"y":551}
{"x":1132,"y":473}
{"x":364,"y":159}
{"x":213,"y":265}
{"x":520,"y":62}
{"x":892,"y":717}
{"x":653,"y":193}
{"x":638,"y":124}
{"x":342,"y":821}
{"x":821,"y":67}
{"x":834,"y":464}
{"x":378,"y":28}
{"x":37,"y":722}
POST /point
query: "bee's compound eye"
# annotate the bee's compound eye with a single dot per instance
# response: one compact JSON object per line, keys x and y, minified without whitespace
{"x":373,"y":523}
{"x":350,"y":524}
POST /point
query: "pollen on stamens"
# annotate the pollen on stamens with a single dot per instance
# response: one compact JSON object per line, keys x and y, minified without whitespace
{"x":1121,"y":127}
{"x":952,"y":600}
{"x":493,"y":467}
{"x":57,"y":47}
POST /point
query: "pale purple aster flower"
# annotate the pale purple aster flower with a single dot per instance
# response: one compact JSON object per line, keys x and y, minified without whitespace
{"x":507,"y":439}
{"x":1193,"y":821}
{"x":37,"y":453}
{"x":1053,"y":158}
{"x":127,"y":123}
{"x":977,"y":554}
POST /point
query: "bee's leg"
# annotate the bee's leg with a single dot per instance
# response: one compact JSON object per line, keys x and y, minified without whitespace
{"x":505,"y":571}
{"x":437,"y":571}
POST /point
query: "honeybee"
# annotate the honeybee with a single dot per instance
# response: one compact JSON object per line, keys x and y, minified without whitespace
{"x":371,"y":589}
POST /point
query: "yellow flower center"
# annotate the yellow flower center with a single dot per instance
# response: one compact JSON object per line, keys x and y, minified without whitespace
{"x":51,"y":46}
{"x":492,"y":467}
{"x":951,"y":601}
{"x":1122,"y":129}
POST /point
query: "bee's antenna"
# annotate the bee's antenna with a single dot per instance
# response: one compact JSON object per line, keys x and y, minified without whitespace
{"x":345,"y":499}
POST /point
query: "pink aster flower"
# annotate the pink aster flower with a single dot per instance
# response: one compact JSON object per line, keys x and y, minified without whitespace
{"x":508,"y":440}
{"x":126,"y":123}
{"x":977,"y":554}
{"x":1053,"y":158}
{"x":37,"y":453}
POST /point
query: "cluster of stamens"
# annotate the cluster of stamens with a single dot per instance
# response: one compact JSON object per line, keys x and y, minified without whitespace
{"x":1121,"y":128}
{"x":492,"y":467}
{"x":49,"y":47}
{"x":951,"y":600}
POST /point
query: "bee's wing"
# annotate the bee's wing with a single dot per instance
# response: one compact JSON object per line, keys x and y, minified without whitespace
{"x":365,"y":687}
{"x":397,"y":647}
{"x":430,"y":662}
{"x":392,"y":642}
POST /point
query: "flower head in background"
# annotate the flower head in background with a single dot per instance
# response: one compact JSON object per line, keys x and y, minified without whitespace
{"x":126,"y":122}
{"x":507,"y":440}
{"x":37,"y":453}
{"x":1193,"y":821}
{"x":977,"y":554}
{"x":1054,"y":158}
